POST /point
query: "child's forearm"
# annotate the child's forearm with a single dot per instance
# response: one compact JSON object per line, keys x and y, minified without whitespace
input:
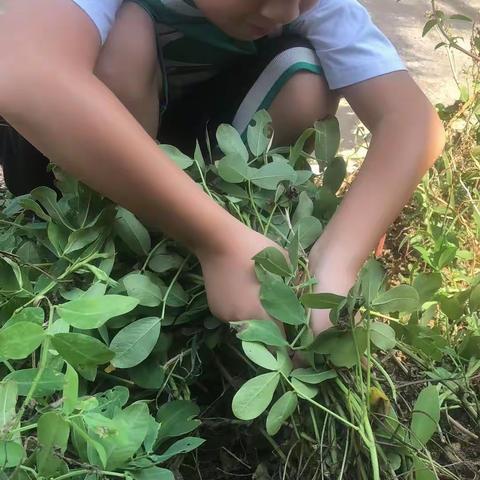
{"x":76,"y":121}
{"x":403,"y":147}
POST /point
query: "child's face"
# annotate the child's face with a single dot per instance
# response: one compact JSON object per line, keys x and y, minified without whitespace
{"x":252,"y":19}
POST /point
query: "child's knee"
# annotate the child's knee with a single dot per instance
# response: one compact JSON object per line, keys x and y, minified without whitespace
{"x":313,"y":96}
{"x":303,"y":100}
{"x":128,"y":62}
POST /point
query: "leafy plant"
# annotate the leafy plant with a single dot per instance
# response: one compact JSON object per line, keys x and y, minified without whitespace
{"x":106,"y":340}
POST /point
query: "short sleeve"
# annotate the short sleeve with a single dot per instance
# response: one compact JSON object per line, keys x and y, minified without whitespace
{"x":350,"y":47}
{"x":101,"y":13}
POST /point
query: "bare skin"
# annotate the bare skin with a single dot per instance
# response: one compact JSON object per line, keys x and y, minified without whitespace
{"x":76,"y":120}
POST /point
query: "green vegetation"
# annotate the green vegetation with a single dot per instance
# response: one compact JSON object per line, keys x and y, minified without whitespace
{"x":113,"y":367}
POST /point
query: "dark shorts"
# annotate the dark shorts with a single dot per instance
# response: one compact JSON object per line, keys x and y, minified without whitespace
{"x":233,"y":96}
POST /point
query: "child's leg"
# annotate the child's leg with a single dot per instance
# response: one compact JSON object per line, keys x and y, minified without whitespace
{"x":284,"y":78}
{"x":128,"y":65}
{"x":287,"y":80}
{"x":303,"y":100}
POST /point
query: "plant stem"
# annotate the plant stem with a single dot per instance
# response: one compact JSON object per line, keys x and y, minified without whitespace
{"x":169,"y":289}
{"x":41,"y":368}
{"x":85,"y":471}
{"x":152,"y":252}
{"x":254,"y":205}
{"x":321,"y":407}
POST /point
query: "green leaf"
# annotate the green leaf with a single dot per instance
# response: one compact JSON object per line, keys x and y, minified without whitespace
{"x":148,"y":290}
{"x":53,"y":433}
{"x":274,"y":261}
{"x":122,"y":436}
{"x":382,"y":336}
{"x":263,"y":331}
{"x":230,"y":142}
{"x":474,"y":300}
{"x":182,"y":160}
{"x":258,"y":135}
{"x":270,"y":175}
{"x":452,"y":307}
{"x":233,"y":168}
{"x":394,"y":460}
{"x":132,"y":232}
{"x":422,"y":471}
{"x":149,"y":443}
{"x":281,"y":410}
{"x":81,"y":238}
{"x":49,"y":383}
{"x":345,"y":355}
{"x":309,"y":230}
{"x":58,"y":237}
{"x":398,"y":299}
{"x":303,"y":390}
{"x":132,"y":423}
{"x":309,"y":375}
{"x":28,"y":314}
{"x":284,"y":362}
{"x":8,"y":402}
{"x":372,"y":277}
{"x":321,"y":301}
{"x":81,"y":350}
{"x":148,"y":375}
{"x":177,"y":418}
{"x":153,"y":473}
{"x":302,"y":177}
{"x":85,"y":444}
{"x":294,"y":250}
{"x":10,"y":275}
{"x":163,"y":261}
{"x":470,"y":347}
{"x":304,"y":208}
{"x":19,"y":340}
{"x":48,"y":199}
{"x":185,"y":445}
{"x":198,"y":157}
{"x":425,"y":418}
{"x":32,"y":205}
{"x":255,"y":396}
{"x":463,"y":18}
{"x":341,"y":347}
{"x":133,"y":344}
{"x":70,"y":391}
{"x":281,"y":302}
{"x":429,"y":25}
{"x":88,"y":313}
{"x":29,"y":252}
{"x":177,"y":297}
{"x":427,"y":285}
{"x":11,"y":454}
{"x":259,"y":355}
{"x":335,"y":174}
{"x":327,"y":140}
{"x":296,"y":152}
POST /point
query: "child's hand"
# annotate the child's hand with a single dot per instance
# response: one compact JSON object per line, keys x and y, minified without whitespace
{"x":332,"y":277}
{"x":232,"y":288}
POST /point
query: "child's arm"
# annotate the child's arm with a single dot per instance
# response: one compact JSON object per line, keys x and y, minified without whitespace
{"x":407,"y":138}
{"x":49,"y":94}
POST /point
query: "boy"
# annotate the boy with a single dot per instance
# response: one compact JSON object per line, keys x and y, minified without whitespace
{"x":80,"y":80}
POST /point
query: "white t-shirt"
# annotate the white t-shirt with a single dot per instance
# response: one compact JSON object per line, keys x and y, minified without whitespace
{"x":350,"y":47}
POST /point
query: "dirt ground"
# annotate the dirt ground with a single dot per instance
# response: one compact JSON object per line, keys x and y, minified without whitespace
{"x":402,"y":21}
